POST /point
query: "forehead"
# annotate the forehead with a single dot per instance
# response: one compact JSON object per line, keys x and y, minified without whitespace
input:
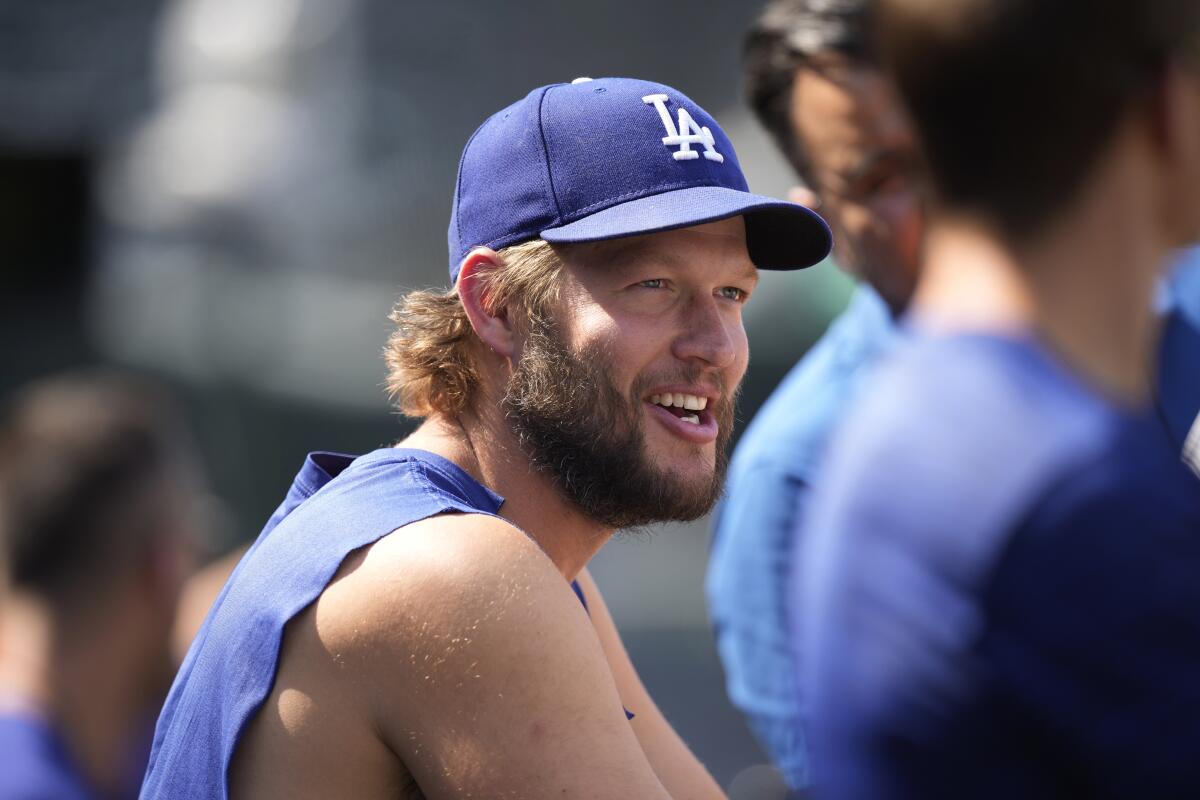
{"x":714,"y":247}
{"x":839,"y":105}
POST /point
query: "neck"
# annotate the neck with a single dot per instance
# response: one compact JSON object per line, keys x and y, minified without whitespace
{"x":1085,"y":288}
{"x":72,"y":675}
{"x":482,"y":445}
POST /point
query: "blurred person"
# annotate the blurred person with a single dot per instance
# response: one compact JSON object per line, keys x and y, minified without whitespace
{"x":196,"y":598}
{"x":96,"y":512}
{"x":999,"y":594}
{"x":410,"y":622}
{"x":814,"y":83}
{"x":1179,"y":373}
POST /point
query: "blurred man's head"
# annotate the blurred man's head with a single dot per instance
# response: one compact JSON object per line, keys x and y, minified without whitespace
{"x":812,"y":79}
{"x":97,"y":503}
{"x":1018,"y":103}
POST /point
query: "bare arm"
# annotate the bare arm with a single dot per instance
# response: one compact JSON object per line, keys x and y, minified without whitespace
{"x":676,"y":766}
{"x":485,"y":676}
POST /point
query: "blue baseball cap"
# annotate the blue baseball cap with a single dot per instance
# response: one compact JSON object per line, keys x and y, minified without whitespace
{"x":601,"y":159}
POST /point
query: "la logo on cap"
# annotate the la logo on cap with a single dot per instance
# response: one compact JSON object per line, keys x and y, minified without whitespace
{"x":687,"y":134}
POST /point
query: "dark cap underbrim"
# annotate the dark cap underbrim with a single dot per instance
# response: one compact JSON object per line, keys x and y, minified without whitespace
{"x":779,"y":234}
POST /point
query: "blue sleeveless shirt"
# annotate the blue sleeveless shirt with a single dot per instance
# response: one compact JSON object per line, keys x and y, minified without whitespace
{"x":336,"y":505}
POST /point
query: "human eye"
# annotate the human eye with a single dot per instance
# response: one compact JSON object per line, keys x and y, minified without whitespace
{"x":733,"y":293}
{"x":653,"y":283}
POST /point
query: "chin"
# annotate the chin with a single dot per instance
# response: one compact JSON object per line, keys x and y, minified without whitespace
{"x":671,"y":452}
{"x":694,"y":472}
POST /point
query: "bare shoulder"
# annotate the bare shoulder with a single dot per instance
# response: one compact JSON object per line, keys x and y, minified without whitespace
{"x":439,"y":580}
{"x":480,"y":666}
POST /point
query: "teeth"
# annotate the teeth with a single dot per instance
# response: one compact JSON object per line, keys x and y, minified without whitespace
{"x":692,"y":418}
{"x":679,"y":400}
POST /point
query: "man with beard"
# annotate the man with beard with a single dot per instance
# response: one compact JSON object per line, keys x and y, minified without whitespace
{"x":406,"y":625}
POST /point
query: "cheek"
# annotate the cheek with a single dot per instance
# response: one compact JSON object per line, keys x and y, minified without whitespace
{"x":741,"y":361}
{"x":885,"y":234}
{"x":589,"y":328}
{"x":900,"y":213}
{"x":619,"y":346}
{"x":851,"y":227}
{"x":902,"y":225}
{"x":853,"y":222}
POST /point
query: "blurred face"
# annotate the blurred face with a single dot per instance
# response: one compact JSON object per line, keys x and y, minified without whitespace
{"x":626,"y":398}
{"x":171,"y":559}
{"x":1187,"y":170}
{"x":863,"y":160}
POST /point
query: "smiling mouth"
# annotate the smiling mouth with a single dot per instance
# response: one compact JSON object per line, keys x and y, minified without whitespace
{"x":686,"y":407}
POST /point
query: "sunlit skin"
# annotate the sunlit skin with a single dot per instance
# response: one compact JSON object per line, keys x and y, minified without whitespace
{"x":663,"y":304}
{"x":453,"y":655}
{"x":863,"y":157}
{"x":668,"y":311}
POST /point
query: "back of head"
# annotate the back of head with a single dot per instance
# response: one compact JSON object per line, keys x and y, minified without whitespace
{"x":1015,"y":100}
{"x":85,"y":462}
{"x":787,"y":35}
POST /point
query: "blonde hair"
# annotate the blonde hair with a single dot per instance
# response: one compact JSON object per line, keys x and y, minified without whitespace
{"x":430,"y":358}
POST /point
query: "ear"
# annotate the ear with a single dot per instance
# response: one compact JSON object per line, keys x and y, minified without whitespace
{"x":805,"y":197}
{"x":491,"y":325}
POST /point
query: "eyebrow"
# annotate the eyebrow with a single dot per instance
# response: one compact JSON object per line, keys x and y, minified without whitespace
{"x":751,"y":272}
{"x":619,"y":249}
{"x":617,"y":253}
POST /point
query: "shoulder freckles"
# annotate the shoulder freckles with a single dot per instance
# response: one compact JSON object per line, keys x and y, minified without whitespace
{"x":445,"y":577}
{"x":460,"y":618}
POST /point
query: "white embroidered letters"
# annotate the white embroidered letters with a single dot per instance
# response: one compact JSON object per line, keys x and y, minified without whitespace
{"x":687,"y":134}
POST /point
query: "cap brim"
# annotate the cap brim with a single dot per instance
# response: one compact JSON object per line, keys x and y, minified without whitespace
{"x":779,"y":234}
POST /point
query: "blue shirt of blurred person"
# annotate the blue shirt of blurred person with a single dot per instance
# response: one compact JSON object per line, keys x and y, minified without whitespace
{"x":999,"y":593}
{"x":34,"y":763}
{"x":1179,"y":370}
{"x":766,"y":493}
{"x":770,"y":479}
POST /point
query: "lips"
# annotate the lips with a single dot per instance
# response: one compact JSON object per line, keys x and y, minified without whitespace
{"x":685,"y":414}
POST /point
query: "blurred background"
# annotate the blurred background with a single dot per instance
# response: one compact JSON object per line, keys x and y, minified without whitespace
{"x":228,"y":196}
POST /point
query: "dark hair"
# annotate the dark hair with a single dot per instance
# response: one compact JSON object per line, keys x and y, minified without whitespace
{"x":786,"y":35}
{"x":1014,"y":100}
{"x":77,"y":453}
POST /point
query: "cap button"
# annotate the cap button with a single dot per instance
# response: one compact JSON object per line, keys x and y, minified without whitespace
{"x":580,"y":80}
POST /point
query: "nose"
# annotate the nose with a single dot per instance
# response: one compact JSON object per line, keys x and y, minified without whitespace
{"x":709,"y":334}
